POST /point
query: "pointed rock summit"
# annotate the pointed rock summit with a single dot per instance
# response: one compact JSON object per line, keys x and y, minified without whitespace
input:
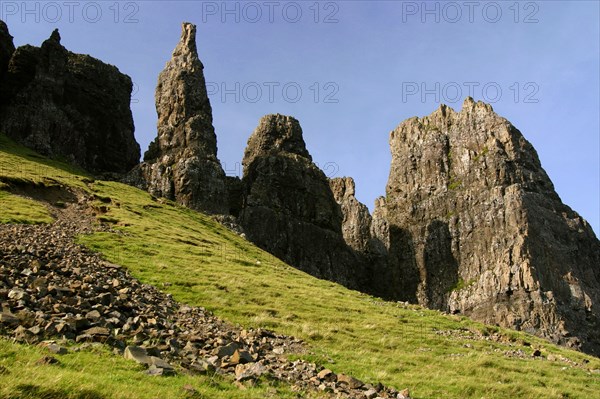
{"x":66,"y":105}
{"x":475,"y":227}
{"x":181,"y":163}
{"x":289,"y":208}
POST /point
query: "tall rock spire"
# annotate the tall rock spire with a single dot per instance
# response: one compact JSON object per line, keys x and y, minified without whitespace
{"x":181,"y":163}
{"x":475,"y":227}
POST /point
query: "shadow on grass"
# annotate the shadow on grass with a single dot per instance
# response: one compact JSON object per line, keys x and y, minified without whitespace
{"x":30,"y":391}
{"x":11,"y":147}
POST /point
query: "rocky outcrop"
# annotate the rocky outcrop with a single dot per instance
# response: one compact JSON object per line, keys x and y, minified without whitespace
{"x":475,"y":227}
{"x":181,"y":163}
{"x":69,"y":106}
{"x":289,"y":208}
{"x":7,"y":48}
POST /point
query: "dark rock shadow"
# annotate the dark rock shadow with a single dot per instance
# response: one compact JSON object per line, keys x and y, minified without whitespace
{"x":403,"y":268}
{"x":441,"y":267}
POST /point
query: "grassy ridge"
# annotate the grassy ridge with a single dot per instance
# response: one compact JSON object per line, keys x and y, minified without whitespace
{"x":201,"y":263}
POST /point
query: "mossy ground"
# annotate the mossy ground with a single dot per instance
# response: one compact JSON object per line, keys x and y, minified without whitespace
{"x":201,"y":263}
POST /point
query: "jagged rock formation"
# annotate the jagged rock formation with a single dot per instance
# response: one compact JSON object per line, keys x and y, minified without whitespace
{"x":289,"y":209}
{"x":356,"y":223}
{"x":181,"y":163}
{"x":380,"y":229}
{"x":368,"y":236}
{"x":476,"y":227}
{"x":7,"y":48}
{"x":67,"y":105}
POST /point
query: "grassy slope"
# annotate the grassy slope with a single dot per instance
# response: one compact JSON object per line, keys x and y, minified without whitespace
{"x":200,"y":263}
{"x":98,"y":374}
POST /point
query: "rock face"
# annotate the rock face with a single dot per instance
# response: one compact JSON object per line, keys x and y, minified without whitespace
{"x":289,"y":208}
{"x":356,"y":223}
{"x":7,"y":48}
{"x":368,"y":236}
{"x":181,"y":163}
{"x":67,"y":105}
{"x":475,"y":227}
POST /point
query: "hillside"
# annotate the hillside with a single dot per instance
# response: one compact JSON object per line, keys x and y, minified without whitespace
{"x":199,"y":262}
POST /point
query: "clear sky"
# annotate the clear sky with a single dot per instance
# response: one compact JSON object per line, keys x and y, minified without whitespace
{"x":351,"y":71}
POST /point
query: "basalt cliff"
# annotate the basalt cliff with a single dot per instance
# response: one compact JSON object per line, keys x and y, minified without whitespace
{"x":470,"y":222}
{"x":478,"y":228}
{"x":66,"y":105}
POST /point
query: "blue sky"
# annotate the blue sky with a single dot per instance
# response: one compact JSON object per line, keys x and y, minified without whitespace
{"x":362,"y":68}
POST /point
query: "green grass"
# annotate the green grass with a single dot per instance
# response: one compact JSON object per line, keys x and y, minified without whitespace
{"x":20,"y":210}
{"x":96,"y":373}
{"x":201,"y":263}
{"x":460,"y":284}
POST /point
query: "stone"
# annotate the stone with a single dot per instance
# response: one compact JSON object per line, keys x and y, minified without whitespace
{"x":94,"y":331}
{"x":155,"y":371}
{"x":94,"y":315}
{"x":476,"y":228}
{"x":404,"y":394}
{"x":181,"y":164}
{"x":46,"y":360}
{"x":249,"y":371}
{"x":326,"y":375}
{"x":227,"y":350}
{"x":54,"y":348}
{"x":17,"y":294}
{"x":241,"y":357}
{"x":8,"y":319}
{"x":349,"y":381}
{"x":137,"y":354}
{"x":370,"y":393}
{"x":380,"y":229}
{"x":35,"y":330}
{"x":68,"y":105}
{"x":158,"y":362}
{"x":289,"y":208}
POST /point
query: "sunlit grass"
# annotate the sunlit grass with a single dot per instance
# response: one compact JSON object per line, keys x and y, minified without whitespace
{"x":14,"y":209}
{"x":98,"y":374}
